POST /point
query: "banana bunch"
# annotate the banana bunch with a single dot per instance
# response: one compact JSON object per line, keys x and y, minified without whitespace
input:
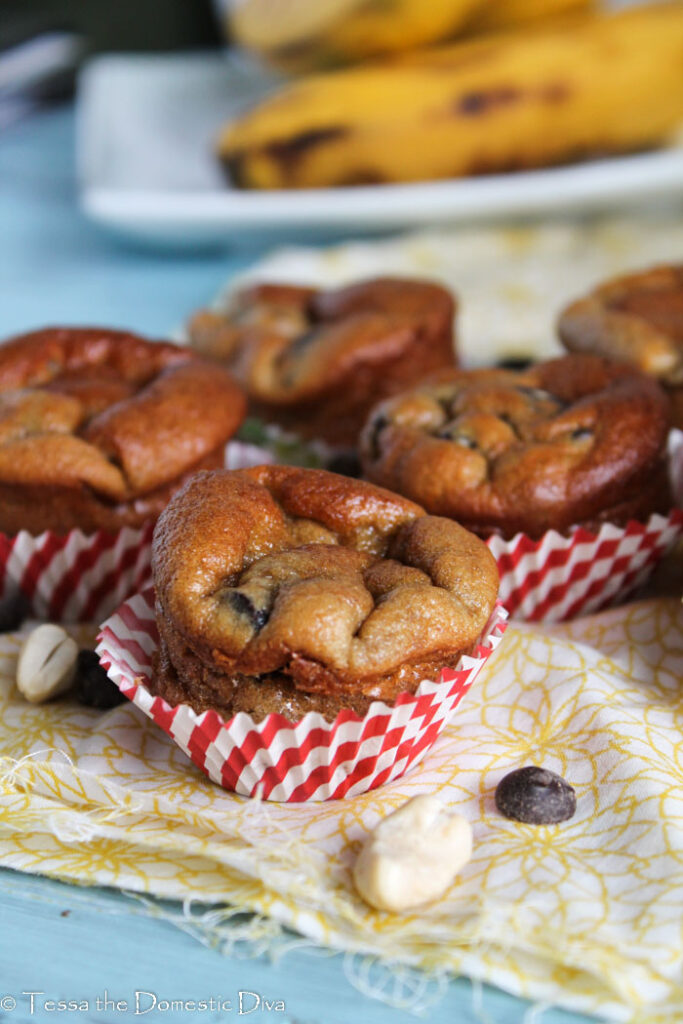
{"x":297,"y":35}
{"x":607,"y":84}
{"x":305,"y":35}
{"x":495,"y":15}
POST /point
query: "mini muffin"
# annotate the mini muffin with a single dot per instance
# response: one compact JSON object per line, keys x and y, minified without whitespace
{"x":575,"y":441}
{"x":98,"y":428}
{"x":289,"y":590}
{"x":638,"y":319}
{"x":315,"y":362}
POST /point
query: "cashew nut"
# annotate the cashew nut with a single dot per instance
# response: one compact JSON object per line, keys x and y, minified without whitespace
{"x":413,"y":855}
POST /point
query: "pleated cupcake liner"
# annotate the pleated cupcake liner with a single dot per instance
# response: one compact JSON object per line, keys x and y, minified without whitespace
{"x":80,"y":577}
{"x":560,"y":577}
{"x":274,"y":759}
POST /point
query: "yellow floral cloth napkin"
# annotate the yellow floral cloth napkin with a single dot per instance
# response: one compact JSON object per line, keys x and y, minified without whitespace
{"x":586,"y":914}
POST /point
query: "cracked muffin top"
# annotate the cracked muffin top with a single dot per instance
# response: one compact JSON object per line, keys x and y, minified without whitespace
{"x":638,"y":319}
{"x":316,"y":361}
{"x":577,"y":440}
{"x":331,"y":584}
{"x":107,"y":417}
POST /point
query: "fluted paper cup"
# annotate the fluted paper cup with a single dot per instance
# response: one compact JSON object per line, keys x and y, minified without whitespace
{"x":560,"y":577}
{"x":275,"y":759}
{"x":76,"y":576}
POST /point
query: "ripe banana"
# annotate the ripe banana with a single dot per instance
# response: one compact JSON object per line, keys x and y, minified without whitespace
{"x":297,"y":35}
{"x":607,"y":84}
{"x":495,"y":15}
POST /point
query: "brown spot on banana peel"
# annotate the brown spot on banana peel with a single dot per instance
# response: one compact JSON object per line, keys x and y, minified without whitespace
{"x":361,"y":176}
{"x":554,"y":92}
{"x":234,"y":169}
{"x":472,"y":104}
{"x":484,"y":101}
{"x":286,"y":153}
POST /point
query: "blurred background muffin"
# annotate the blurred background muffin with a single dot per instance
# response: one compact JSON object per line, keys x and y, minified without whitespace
{"x":315,"y":361}
{"x":636,"y":318}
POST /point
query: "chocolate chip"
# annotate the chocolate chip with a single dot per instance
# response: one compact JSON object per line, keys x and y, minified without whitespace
{"x":93,"y":686}
{"x":288,"y":359}
{"x":451,"y":432}
{"x":346,"y":464}
{"x":508,"y":421}
{"x":243,"y":605}
{"x":14,"y":608}
{"x":301,"y":343}
{"x":536,"y":796}
{"x":377,"y":425}
{"x":446,"y":402}
{"x":514,"y":362}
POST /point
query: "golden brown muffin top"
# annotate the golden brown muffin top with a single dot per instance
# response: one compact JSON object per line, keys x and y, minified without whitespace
{"x":108,"y":410}
{"x":636,"y":318}
{"x":287,"y":344}
{"x":503,"y":451}
{"x":327,"y":580}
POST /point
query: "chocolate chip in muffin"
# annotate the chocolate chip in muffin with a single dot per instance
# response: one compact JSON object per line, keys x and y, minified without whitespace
{"x":345,"y":463}
{"x":514,"y":362}
{"x":377,"y":425}
{"x":243,"y":605}
{"x":508,"y":420}
{"x":452,"y":432}
{"x":535,"y":796}
{"x":302,"y":342}
{"x":93,"y":687}
{"x":289,"y":360}
{"x":14,"y":608}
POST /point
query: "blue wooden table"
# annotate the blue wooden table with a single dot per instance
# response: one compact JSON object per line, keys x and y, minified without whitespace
{"x":97,"y":947}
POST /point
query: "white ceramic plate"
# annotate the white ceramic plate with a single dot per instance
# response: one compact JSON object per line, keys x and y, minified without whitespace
{"x":146,"y":127}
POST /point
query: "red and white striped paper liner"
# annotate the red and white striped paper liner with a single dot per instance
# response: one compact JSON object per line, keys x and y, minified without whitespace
{"x":85,"y":576}
{"x":557,"y":577}
{"x":560,"y":577}
{"x":274,"y":759}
